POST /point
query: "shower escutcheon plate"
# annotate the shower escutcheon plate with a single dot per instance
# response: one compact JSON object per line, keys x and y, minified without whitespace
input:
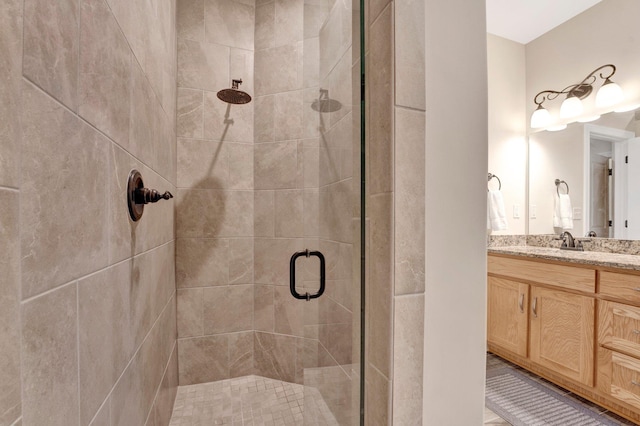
{"x":138,"y":195}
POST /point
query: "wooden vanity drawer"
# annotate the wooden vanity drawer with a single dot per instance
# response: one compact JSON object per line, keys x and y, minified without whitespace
{"x":625,"y":379}
{"x":569,"y":277}
{"x":620,"y":286}
{"x":619,"y":327}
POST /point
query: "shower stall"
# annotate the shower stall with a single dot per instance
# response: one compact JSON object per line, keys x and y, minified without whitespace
{"x":268,"y":204}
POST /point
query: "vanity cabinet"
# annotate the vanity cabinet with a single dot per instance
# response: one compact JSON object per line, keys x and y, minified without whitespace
{"x":577,"y":325}
{"x":544,"y":313}
{"x":507,"y":316}
{"x":619,"y":337}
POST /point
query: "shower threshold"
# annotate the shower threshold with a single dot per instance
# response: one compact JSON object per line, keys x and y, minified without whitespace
{"x":250,"y":400}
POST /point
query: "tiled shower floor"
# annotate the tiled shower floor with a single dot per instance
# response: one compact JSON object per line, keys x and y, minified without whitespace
{"x":249,"y":400}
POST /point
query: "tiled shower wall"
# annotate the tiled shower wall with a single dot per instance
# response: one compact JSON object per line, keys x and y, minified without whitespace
{"x":87,"y":296}
{"x":395,"y":211}
{"x":214,"y":222}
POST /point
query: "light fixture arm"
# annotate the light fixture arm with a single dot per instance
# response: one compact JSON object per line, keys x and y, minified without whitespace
{"x":580,"y":90}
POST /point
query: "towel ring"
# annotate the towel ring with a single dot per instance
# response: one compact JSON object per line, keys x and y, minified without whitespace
{"x":558,"y":182}
{"x":491,"y":176}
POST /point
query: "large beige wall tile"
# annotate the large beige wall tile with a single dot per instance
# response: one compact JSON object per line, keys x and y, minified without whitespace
{"x":60,"y":243}
{"x":289,"y":213}
{"x":340,"y":88}
{"x":106,"y":343}
{"x":271,"y":264}
{"x":264,"y":224}
{"x":315,"y":15}
{"x":152,"y":286}
{"x":214,"y":213}
{"x":10,"y":91}
{"x":265,"y":35}
{"x":311,"y":62}
{"x":264,"y":119}
{"x":51,"y":45}
{"x":381,"y":106}
{"x":241,"y":354}
{"x":335,"y":36}
{"x":202,"y":65}
{"x":228,"y":309}
{"x":103,"y":416}
{"x":263,"y":307}
{"x":276,"y":166}
{"x":289,"y":21}
{"x":289,"y":312}
{"x":229,"y":23}
{"x":202,"y":262}
{"x":146,"y":135}
{"x":241,"y":64}
{"x":409,"y":202}
{"x":190,"y":122}
{"x":278,"y":69}
{"x":49,"y":332}
{"x":203,"y":164}
{"x":190,"y":312}
{"x":377,"y":398}
{"x":190,"y":19}
{"x":408,"y":348}
{"x":288,"y":115}
{"x":163,"y":405}
{"x":10,"y":389}
{"x":241,"y":261}
{"x":380,"y":295}
{"x":240,"y":166}
{"x":226,"y":122}
{"x":105,"y":72}
{"x":156,"y":226}
{"x":203,"y":359}
{"x":275,"y":356}
{"x":409,"y":54}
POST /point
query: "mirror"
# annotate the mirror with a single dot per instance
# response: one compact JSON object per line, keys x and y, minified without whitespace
{"x":590,"y":159}
{"x":605,"y":33}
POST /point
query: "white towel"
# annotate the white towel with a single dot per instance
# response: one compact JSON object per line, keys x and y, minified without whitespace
{"x":496,"y":218}
{"x":562,"y":212}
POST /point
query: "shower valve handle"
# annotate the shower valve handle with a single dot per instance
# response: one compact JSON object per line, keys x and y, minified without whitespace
{"x":146,"y":196}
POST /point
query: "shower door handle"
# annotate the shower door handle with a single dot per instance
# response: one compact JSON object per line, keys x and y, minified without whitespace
{"x":292,"y":275}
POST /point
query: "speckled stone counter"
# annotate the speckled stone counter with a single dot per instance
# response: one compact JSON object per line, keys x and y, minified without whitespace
{"x":612,"y":260}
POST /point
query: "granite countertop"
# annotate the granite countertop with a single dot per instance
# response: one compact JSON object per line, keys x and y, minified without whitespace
{"x":612,"y":260}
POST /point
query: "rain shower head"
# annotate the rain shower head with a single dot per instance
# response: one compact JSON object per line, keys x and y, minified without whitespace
{"x":324,"y":103}
{"x":234,"y":95}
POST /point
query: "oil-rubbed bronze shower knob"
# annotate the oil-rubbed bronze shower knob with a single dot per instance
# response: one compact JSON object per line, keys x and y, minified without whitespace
{"x":138,"y":195}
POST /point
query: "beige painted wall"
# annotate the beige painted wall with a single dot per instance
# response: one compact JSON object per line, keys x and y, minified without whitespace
{"x":455,"y":294}
{"x":507,"y":127}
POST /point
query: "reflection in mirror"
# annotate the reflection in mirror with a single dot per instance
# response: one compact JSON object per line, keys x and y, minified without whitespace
{"x":591,"y":159}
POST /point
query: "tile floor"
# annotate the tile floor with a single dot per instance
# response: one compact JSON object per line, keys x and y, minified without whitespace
{"x":249,"y":400}
{"x":255,"y":400}
{"x":491,"y":418}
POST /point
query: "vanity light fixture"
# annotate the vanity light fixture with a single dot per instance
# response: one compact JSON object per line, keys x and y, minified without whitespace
{"x":608,"y":95}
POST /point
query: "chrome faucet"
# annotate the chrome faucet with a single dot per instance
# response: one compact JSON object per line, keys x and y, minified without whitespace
{"x":570,"y":243}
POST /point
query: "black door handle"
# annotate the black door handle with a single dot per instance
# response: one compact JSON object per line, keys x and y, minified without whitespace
{"x":292,"y":275}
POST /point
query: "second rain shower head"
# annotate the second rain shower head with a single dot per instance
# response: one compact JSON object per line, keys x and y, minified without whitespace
{"x":234,"y":95}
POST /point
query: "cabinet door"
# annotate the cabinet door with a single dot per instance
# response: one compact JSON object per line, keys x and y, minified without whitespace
{"x":562,"y":333}
{"x":507,"y":320}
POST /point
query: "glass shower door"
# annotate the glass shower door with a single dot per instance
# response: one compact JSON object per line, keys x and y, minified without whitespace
{"x":332,"y":331}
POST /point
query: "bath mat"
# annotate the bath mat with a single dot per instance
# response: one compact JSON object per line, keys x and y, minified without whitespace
{"x":524,"y":402}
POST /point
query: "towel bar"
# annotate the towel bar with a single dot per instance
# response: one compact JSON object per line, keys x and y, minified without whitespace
{"x":491,"y":176}
{"x":558,"y":182}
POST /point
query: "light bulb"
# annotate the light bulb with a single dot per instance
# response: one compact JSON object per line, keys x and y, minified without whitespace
{"x":609,"y":94}
{"x":540,"y":118}
{"x":571,"y":107}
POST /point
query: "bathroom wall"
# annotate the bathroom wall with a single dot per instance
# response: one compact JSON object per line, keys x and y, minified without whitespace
{"x":508,"y":128}
{"x":215,"y":206}
{"x":395,"y":78}
{"x":88,"y":297}
{"x":455,"y":325}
